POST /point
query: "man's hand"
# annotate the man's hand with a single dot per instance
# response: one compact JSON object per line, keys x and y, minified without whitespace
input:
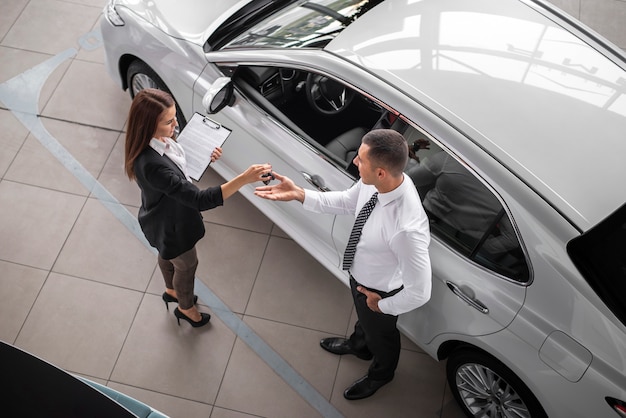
{"x":285,"y":190}
{"x":372,"y":298}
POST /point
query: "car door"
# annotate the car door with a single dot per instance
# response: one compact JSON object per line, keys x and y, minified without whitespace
{"x":480,"y":271}
{"x":259,"y":136}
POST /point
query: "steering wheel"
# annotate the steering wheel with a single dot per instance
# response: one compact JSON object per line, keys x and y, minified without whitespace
{"x":326,"y":95}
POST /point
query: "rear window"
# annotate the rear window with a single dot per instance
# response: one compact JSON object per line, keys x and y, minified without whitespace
{"x":600,"y":256}
{"x":463,"y":212}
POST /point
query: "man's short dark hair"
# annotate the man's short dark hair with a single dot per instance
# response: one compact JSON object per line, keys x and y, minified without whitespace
{"x":387,"y":149}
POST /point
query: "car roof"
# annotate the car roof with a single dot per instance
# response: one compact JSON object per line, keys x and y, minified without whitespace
{"x":548,"y":105}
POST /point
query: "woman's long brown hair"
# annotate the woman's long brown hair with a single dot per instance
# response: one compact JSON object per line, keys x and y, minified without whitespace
{"x":143,"y":118}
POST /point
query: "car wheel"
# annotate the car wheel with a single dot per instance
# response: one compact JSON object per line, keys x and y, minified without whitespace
{"x":140,"y":76}
{"x":484,"y":387}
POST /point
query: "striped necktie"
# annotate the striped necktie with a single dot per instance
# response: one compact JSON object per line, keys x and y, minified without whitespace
{"x":348,"y":256}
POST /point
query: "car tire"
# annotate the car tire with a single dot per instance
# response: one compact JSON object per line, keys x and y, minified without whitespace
{"x":483,"y":386}
{"x":140,"y":76}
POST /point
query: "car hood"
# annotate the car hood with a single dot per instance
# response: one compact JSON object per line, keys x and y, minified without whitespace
{"x":548,"y":105}
{"x":191,"y":20}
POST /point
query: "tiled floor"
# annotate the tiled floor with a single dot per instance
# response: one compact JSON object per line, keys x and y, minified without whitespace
{"x":80,"y":290}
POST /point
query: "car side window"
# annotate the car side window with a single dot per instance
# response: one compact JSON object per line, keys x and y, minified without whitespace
{"x":322,"y":111}
{"x":333,"y":118}
{"x":463,"y":212}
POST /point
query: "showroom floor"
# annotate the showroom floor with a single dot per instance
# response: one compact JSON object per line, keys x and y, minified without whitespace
{"x":81,"y":290}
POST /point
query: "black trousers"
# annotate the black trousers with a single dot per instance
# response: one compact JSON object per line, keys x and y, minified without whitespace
{"x":376,"y":332}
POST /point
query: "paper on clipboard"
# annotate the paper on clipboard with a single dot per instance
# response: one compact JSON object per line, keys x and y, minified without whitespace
{"x":199,"y":138}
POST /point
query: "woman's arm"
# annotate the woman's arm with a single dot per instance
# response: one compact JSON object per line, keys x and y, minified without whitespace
{"x":252,"y":174}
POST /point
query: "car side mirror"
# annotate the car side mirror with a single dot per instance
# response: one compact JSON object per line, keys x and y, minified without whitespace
{"x":219,"y":95}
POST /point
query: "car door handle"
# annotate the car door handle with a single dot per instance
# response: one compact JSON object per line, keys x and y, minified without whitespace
{"x":467,"y":299}
{"x":316,"y":181}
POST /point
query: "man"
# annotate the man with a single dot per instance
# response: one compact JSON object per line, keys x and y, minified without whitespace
{"x":389,"y":268}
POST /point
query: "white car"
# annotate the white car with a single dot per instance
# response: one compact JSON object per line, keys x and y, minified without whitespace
{"x":524,"y":111}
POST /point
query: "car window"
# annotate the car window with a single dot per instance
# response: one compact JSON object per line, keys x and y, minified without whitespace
{"x":320,"y":110}
{"x":463,"y":212}
{"x":599,"y":256}
{"x":295,"y":24}
{"x":333,"y":118}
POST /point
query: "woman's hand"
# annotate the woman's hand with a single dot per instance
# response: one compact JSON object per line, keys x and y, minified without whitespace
{"x":252,"y":174}
{"x":216,"y":154}
{"x":255,"y":173}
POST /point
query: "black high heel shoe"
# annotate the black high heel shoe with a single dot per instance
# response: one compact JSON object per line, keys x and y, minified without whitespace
{"x":205,"y":317}
{"x":169,"y":298}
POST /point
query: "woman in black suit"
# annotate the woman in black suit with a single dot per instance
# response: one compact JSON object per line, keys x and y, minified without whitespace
{"x":170,"y":209}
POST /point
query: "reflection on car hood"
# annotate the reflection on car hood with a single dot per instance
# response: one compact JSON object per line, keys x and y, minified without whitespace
{"x":193,"y":20}
{"x":547,"y":104}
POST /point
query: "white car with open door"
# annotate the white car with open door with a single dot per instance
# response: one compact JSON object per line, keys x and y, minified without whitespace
{"x":524,"y":111}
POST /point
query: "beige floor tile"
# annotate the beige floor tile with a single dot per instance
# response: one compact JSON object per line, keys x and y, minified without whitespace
{"x":169,"y":405}
{"x":35,"y":223}
{"x":229,"y":262}
{"x":156,"y":285}
{"x":82,"y":95}
{"x":10,"y":12}
{"x":300,"y":348}
{"x":594,"y":12}
{"x":181,"y":361}
{"x":113,"y":177}
{"x":79,"y":325}
{"x":416,"y":391}
{"x":277,"y":232}
{"x":90,"y":43}
{"x":20,"y":287}
{"x":101,"y":248}
{"x":16,"y":61}
{"x":450,"y":409}
{"x":251,"y":386}
{"x":228,"y":413}
{"x":94,"y":3}
{"x":35,"y":165}
{"x":571,"y":7}
{"x":293,"y":288}
{"x":12,"y":140}
{"x":36,"y":30}
{"x":237,"y":210}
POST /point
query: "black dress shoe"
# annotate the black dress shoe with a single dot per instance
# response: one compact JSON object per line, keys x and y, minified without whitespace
{"x":363,"y":388}
{"x":337,"y":345}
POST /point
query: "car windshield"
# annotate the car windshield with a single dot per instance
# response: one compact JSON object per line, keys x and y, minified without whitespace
{"x":600,"y":254}
{"x":311,"y":23}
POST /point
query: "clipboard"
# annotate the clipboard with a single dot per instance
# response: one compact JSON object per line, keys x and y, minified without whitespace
{"x":199,"y":138}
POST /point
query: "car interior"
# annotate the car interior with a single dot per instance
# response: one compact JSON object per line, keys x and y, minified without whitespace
{"x":333,"y":118}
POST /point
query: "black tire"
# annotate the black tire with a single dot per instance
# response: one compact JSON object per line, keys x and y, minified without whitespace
{"x":484,"y":387}
{"x":140,"y":76}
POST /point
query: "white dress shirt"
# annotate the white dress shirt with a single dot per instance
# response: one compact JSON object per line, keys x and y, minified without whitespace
{"x":174,"y":151}
{"x":393,"y":249}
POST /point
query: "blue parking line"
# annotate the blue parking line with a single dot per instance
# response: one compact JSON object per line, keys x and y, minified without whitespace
{"x":21,"y":96}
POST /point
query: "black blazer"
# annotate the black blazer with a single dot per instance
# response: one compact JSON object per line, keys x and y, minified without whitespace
{"x":170,"y":215}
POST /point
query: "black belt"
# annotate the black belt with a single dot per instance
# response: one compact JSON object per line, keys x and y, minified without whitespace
{"x":380,"y":292}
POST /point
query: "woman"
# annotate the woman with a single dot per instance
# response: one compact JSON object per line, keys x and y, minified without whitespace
{"x":170,"y":215}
